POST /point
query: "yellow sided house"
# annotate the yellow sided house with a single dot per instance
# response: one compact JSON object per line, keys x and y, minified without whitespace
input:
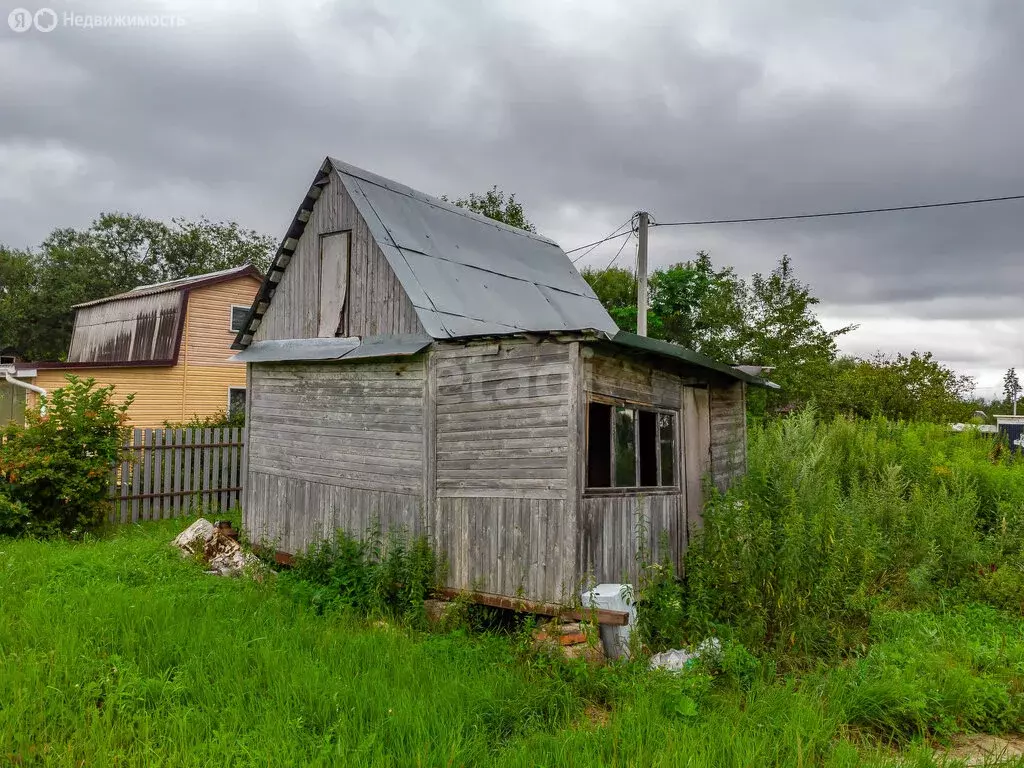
{"x":168,"y":343}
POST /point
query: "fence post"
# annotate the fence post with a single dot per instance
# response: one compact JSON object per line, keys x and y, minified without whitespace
{"x":164,"y":471}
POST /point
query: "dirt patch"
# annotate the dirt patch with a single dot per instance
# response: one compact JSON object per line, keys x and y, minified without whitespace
{"x":983,"y":749}
{"x":596,"y":716}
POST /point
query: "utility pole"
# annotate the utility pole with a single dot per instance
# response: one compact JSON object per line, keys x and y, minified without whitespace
{"x":641,"y":274}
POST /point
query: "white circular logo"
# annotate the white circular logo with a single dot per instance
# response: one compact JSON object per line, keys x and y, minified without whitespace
{"x":20,"y":20}
{"x":45,"y":19}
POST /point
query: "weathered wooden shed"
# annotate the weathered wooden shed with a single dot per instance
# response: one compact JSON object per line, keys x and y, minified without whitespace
{"x":412,"y":363}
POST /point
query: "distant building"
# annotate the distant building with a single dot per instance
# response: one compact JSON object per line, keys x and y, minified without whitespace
{"x":169,"y":344}
{"x":1013,"y":428}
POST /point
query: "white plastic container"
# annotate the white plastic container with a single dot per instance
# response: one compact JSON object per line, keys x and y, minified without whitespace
{"x":613,"y":597}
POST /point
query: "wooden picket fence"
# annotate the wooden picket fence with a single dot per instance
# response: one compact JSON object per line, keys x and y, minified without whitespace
{"x":171,"y":472}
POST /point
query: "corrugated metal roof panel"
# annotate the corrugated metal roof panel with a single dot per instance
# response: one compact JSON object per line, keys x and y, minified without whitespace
{"x":453,"y":263}
{"x":137,"y":329}
{"x":297,"y":350}
{"x":667,"y":349}
{"x":174,"y":285}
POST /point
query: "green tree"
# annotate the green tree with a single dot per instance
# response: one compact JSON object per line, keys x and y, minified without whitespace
{"x":17,"y":273}
{"x":616,"y":289}
{"x":1011,"y":388}
{"x":116,"y":253}
{"x":698,"y":306}
{"x":494,"y":204}
{"x":781,"y":330}
{"x":914,"y":387}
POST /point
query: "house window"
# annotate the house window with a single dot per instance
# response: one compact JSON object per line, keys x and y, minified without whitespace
{"x":630,"y":447}
{"x":6,"y":360}
{"x":236,"y":401}
{"x":239,"y":312}
{"x":334,"y":264}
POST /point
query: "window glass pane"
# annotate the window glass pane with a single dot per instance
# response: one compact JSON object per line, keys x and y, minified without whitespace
{"x":238,"y":315}
{"x":667,"y":430}
{"x":236,"y":401}
{"x":648,"y":447}
{"x":625,"y":448}
{"x":599,"y":445}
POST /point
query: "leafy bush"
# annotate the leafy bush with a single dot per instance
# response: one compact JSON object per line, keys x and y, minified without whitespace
{"x":14,"y":515}
{"x":220,"y":419}
{"x":659,"y":602}
{"x":371,"y":576}
{"x":58,"y":466}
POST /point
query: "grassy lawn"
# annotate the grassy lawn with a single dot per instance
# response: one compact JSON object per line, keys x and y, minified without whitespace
{"x":117,"y":652}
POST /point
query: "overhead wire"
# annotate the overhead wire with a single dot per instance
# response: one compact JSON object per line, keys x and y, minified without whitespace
{"x":617,"y":253}
{"x":828,"y":214}
{"x":614,"y":235}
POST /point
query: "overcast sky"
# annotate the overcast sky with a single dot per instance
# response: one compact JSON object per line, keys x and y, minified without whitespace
{"x":587,"y":111}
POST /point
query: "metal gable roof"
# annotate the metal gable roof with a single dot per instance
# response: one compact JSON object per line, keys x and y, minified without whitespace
{"x":465,"y":274}
{"x":469,"y":275}
{"x":196,"y":281}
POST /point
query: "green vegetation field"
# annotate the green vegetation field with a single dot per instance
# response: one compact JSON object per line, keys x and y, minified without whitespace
{"x":868,"y":619}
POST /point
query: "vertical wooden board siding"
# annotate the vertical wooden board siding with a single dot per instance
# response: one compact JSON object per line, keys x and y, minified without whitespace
{"x":290,"y":514}
{"x":728,"y":419}
{"x":568,"y":534}
{"x":506,"y":546}
{"x":608,"y":534}
{"x":376,"y":302}
{"x":243,"y":479}
{"x":430,"y":442}
{"x":695,"y":457}
{"x":502,"y":420}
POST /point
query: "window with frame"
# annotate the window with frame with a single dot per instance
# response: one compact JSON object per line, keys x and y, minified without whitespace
{"x":631,"y":447}
{"x":239,"y":312}
{"x":236,"y":401}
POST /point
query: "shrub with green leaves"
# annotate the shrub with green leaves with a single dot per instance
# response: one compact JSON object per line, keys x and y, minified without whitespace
{"x":55,"y":471}
{"x":14,"y":516}
{"x":372,"y":576}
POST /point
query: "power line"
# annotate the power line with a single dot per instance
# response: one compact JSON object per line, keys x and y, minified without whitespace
{"x":618,"y":252}
{"x":612,"y":236}
{"x":858,"y":212}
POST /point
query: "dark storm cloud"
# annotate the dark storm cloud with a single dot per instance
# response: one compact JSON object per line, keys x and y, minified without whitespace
{"x":587,"y":112}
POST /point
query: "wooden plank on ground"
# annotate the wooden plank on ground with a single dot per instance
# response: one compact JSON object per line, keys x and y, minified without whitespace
{"x":600,"y":615}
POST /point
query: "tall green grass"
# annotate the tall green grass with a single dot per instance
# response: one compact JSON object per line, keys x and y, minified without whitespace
{"x":873,"y":569}
{"x":837,"y":520}
{"x":118,"y":652}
